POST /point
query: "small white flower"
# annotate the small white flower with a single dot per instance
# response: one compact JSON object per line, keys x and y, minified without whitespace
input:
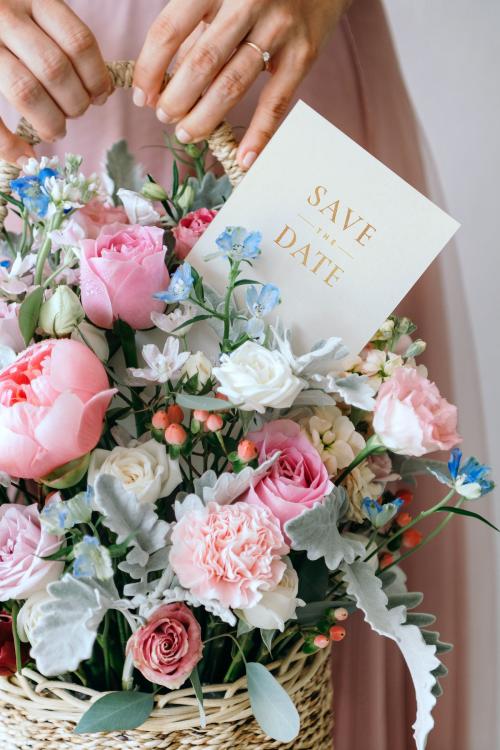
{"x":168,"y":323}
{"x":379,"y":365}
{"x":29,"y":614}
{"x":15,"y":278}
{"x":162,"y":365}
{"x":198,"y":364}
{"x":139,"y":210}
{"x":33,"y":167}
{"x":277,"y":606}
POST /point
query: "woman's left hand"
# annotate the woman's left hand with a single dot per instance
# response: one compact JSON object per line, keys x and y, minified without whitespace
{"x":219,"y":68}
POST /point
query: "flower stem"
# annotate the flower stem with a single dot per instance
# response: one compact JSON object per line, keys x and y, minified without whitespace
{"x":373,"y":445}
{"x":233,"y":275}
{"x":15,"y":635}
{"x":44,"y":251}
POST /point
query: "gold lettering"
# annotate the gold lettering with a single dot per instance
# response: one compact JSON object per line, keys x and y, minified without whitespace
{"x":304,"y":251}
{"x":280,"y":237}
{"x":365,"y":233}
{"x":333,"y":208}
{"x":320,"y":262}
{"x":347,"y":222}
{"x":317,"y":195}
{"x":333,"y":274}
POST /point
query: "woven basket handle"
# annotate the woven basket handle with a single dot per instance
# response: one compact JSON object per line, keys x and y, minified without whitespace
{"x":222,"y":142}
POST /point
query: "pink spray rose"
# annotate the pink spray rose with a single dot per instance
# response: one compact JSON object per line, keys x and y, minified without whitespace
{"x":168,"y":647}
{"x":229,"y":553}
{"x":190,"y":228}
{"x":52,"y":404}
{"x":120,"y":272}
{"x":411,"y":417}
{"x":23,"y":544}
{"x":10,"y":333}
{"x":96,"y":215}
{"x":297,"y":480}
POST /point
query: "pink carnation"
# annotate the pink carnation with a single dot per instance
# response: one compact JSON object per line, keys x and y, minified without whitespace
{"x":120,"y":272}
{"x":52,"y":404}
{"x":95,"y":215}
{"x":297,"y":480}
{"x":168,"y":647}
{"x":190,"y":228}
{"x":411,"y":417}
{"x":23,"y":544}
{"x":229,"y":553}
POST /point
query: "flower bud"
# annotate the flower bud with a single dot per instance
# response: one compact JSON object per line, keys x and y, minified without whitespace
{"x":340,"y":613}
{"x":412,"y":538}
{"x":214,"y":423}
{"x":61,"y":313}
{"x":154,"y":192}
{"x":160,"y":420}
{"x":337,"y":633}
{"x":175,"y":434}
{"x":185,"y":201}
{"x":201,"y":415}
{"x":247,"y":450}
{"x":416,"y":348}
{"x":403,"y":519}
{"x":321,"y":641}
{"x":405,"y":495}
{"x":175,"y":414}
{"x":386,"y":560}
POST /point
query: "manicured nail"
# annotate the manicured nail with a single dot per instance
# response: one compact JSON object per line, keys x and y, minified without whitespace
{"x":163,"y":116}
{"x":249,"y":159}
{"x":139,"y":97}
{"x":22,"y":161}
{"x":101,"y":99}
{"x":183,"y":136}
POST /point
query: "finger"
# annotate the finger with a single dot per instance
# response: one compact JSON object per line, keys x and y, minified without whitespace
{"x":202,"y":63}
{"x":229,"y":87}
{"x":272,"y":107}
{"x":78,"y":43}
{"x":27,"y":96}
{"x":50,"y":65}
{"x":12,"y":148}
{"x":164,"y":38}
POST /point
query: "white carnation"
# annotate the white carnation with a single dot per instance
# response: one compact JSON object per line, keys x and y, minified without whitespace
{"x":278,"y":606}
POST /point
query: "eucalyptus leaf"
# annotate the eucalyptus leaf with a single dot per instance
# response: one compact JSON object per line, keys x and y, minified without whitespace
{"x":202,"y":402}
{"x":271,"y":705}
{"x":29,"y":312}
{"x":116,"y":712}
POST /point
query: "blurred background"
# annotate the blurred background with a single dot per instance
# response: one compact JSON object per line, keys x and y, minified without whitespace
{"x":450,"y":59}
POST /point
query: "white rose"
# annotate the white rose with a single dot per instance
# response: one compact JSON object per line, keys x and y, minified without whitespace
{"x":277,"y":606}
{"x":92,"y":337}
{"x":198,"y":364}
{"x":146,"y":470}
{"x":138,"y":209}
{"x":254,"y":377}
{"x":29,"y":614}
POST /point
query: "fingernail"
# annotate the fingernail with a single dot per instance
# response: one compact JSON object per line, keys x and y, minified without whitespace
{"x":101,"y":99}
{"x":163,"y":116}
{"x":139,"y":97}
{"x":22,"y":161}
{"x":182,"y":135}
{"x":249,"y":159}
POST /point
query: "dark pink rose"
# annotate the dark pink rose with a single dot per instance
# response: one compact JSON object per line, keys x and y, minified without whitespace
{"x":168,"y":647}
{"x":190,"y":229}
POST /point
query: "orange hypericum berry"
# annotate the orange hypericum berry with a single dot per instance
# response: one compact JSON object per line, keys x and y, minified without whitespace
{"x":201,"y":415}
{"x":405,"y":495}
{"x":247,"y":450}
{"x":386,"y":560}
{"x":175,"y":414}
{"x":412,"y":538}
{"x":160,"y":420}
{"x":175,"y":434}
{"x":337,"y":633}
{"x":321,"y":641}
{"x":214,"y":423}
{"x":403,"y":519}
{"x":340,"y":613}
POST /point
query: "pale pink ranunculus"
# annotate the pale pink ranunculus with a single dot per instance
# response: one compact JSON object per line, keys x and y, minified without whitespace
{"x":190,"y":228}
{"x":411,"y":417}
{"x":10,"y":333}
{"x":228,"y":553}
{"x":96,"y":215}
{"x":23,"y":544}
{"x":297,"y":480}
{"x":53,"y":399}
{"x":120,"y":272}
{"x":168,"y":647}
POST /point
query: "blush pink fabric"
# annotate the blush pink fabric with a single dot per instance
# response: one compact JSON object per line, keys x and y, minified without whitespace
{"x":357,"y":85}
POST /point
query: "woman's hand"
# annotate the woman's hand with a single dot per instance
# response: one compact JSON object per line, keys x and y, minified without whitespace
{"x":218,"y":69}
{"x":50,"y":69}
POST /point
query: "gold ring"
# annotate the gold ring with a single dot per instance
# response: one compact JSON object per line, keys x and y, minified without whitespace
{"x":266,"y":56}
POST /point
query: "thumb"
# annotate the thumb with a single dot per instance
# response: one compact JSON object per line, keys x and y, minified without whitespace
{"x":12,"y":147}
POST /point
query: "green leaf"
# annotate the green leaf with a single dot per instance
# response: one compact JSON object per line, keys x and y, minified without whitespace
{"x":313,"y":579}
{"x":462,"y":512}
{"x":196,"y":319}
{"x":244,"y":282}
{"x":195,"y":682}
{"x":29,"y":313}
{"x":127,"y":338}
{"x":175,"y":179}
{"x":123,"y":169}
{"x":272,"y":707}
{"x":116,"y":712}
{"x":9,"y":199}
{"x":202,"y":402}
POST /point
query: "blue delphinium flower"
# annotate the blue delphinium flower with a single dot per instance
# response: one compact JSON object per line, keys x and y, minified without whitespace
{"x":468,"y":480}
{"x":32,"y":193}
{"x":237,"y":243}
{"x":92,"y":560}
{"x":260,"y":303}
{"x":180,"y":285}
{"x":378,"y":514}
{"x":59,"y":515}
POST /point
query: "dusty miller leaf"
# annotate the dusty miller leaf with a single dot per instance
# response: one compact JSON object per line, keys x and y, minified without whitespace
{"x":210,"y":192}
{"x":226,"y":488}
{"x":123,"y":169}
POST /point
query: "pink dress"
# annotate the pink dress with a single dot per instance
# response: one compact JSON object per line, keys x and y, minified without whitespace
{"x":357,"y":85}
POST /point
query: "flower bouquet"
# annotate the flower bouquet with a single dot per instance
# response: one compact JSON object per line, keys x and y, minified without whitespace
{"x":189,"y":508}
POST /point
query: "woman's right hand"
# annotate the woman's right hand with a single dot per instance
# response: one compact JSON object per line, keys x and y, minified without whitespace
{"x":51,"y":69}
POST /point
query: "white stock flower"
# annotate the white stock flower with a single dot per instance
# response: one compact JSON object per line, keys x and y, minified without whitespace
{"x":29,"y":614}
{"x":334,"y":437}
{"x":198,"y":364}
{"x":254,"y":378}
{"x":171,"y":321}
{"x":139,"y":210}
{"x":277,"y":606}
{"x":162,"y":365}
{"x":379,"y":365}
{"x":145,"y":470}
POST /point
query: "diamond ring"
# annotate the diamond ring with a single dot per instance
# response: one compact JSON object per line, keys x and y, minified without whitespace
{"x":266,"y":56}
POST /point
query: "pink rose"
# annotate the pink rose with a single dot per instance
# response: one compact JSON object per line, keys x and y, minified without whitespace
{"x":120,"y":272}
{"x":411,"y":417}
{"x":168,"y":647}
{"x":23,"y":544}
{"x":190,"y":228}
{"x":52,"y":404}
{"x":10,"y":333}
{"x":95,"y":215}
{"x":229,"y":553}
{"x":297,"y":480}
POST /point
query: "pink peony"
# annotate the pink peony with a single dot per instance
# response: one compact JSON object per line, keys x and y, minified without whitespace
{"x":96,"y":215}
{"x":120,"y":272}
{"x":190,"y":228}
{"x":52,"y":404}
{"x":10,"y":333}
{"x":411,"y":417}
{"x":23,"y":544}
{"x":297,"y":480}
{"x":168,"y":647}
{"x":229,"y":553}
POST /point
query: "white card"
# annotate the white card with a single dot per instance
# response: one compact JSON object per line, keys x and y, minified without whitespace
{"x":343,"y":237}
